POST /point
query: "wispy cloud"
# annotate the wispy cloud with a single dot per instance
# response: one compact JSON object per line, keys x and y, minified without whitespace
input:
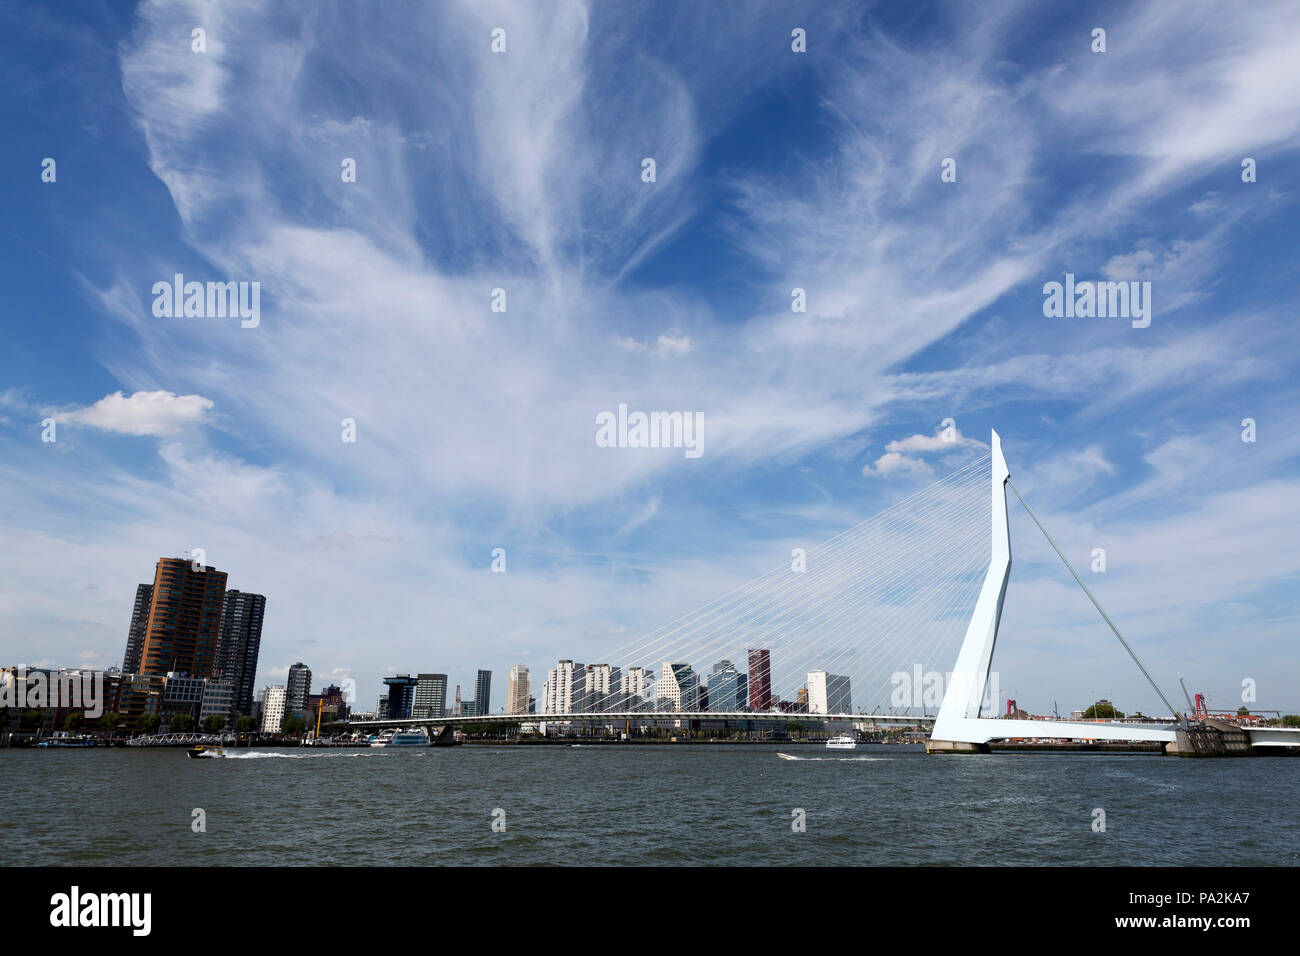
{"x":522,"y":172}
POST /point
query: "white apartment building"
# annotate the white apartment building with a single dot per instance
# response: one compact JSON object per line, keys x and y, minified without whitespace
{"x":829,"y":693}
{"x":602,"y":686}
{"x":564,"y":687}
{"x":273,"y":709}
{"x":636,"y":689}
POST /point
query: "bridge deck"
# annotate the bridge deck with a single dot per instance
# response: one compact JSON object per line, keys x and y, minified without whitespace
{"x":620,"y":716}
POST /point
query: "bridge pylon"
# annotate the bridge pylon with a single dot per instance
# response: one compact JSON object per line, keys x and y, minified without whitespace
{"x":958,"y":727}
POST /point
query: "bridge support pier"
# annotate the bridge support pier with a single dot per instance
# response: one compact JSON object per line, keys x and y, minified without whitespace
{"x":1210,"y":738}
{"x":955,"y":747}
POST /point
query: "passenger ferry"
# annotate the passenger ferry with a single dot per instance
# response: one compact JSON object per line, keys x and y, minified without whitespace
{"x":401,"y":738}
{"x":842,"y":742}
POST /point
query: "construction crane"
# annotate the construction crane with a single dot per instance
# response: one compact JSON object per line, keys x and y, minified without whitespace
{"x":1198,"y":709}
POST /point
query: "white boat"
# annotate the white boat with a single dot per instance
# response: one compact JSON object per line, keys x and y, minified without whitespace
{"x":401,"y":738}
{"x":842,"y":742}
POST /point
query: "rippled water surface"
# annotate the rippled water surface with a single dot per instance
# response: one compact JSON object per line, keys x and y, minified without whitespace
{"x":693,"y":804}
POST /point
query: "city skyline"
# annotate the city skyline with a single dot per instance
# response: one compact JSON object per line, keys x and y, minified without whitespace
{"x":238,"y":631}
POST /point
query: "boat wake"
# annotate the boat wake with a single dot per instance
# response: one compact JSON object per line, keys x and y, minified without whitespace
{"x":254,"y":755}
{"x":832,"y":759}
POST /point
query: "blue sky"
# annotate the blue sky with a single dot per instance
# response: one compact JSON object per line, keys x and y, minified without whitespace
{"x":775,"y":170}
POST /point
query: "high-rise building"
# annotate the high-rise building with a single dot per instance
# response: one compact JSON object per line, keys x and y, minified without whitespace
{"x":430,"y":696}
{"x":829,"y":693}
{"x":636,"y":689}
{"x":401,"y":695}
{"x":517,"y":690}
{"x":241,"y":641}
{"x":564,"y":686}
{"x":679,"y":687}
{"x":727,"y":688}
{"x":139,"y":624}
{"x":273,"y":709}
{"x":299,"y":686}
{"x":760,"y":680}
{"x":184,"y":619}
{"x":601,"y":688}
{"x":483,"y":693}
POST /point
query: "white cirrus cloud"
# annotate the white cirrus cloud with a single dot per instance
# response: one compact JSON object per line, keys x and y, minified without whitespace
{"x":665,"y":345}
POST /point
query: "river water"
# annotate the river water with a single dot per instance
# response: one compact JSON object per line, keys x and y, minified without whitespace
{"x":644,"y":804}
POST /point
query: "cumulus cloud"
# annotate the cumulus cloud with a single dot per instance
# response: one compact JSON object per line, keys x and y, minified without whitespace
{"x":892,"y":462}
{"x":902,"y":454}
{"x":159,"y":413}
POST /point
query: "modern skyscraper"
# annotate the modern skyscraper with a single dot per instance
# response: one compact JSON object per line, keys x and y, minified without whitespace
{"x":299,"y":686}
{"x":401,"y":695}
{"x":139,"y":624}
{"x":517,"y":690}
{"x":430,"y":696}
{"x":240,"y":643}
{"x":760,"y":680}
{"x":829,"y":693}
{"x":727,"y":688}
{"x":483,"y":693}
{"x":184,"y":620}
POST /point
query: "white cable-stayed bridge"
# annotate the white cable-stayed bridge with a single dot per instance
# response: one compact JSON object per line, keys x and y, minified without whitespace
{"x":912,"y":596}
